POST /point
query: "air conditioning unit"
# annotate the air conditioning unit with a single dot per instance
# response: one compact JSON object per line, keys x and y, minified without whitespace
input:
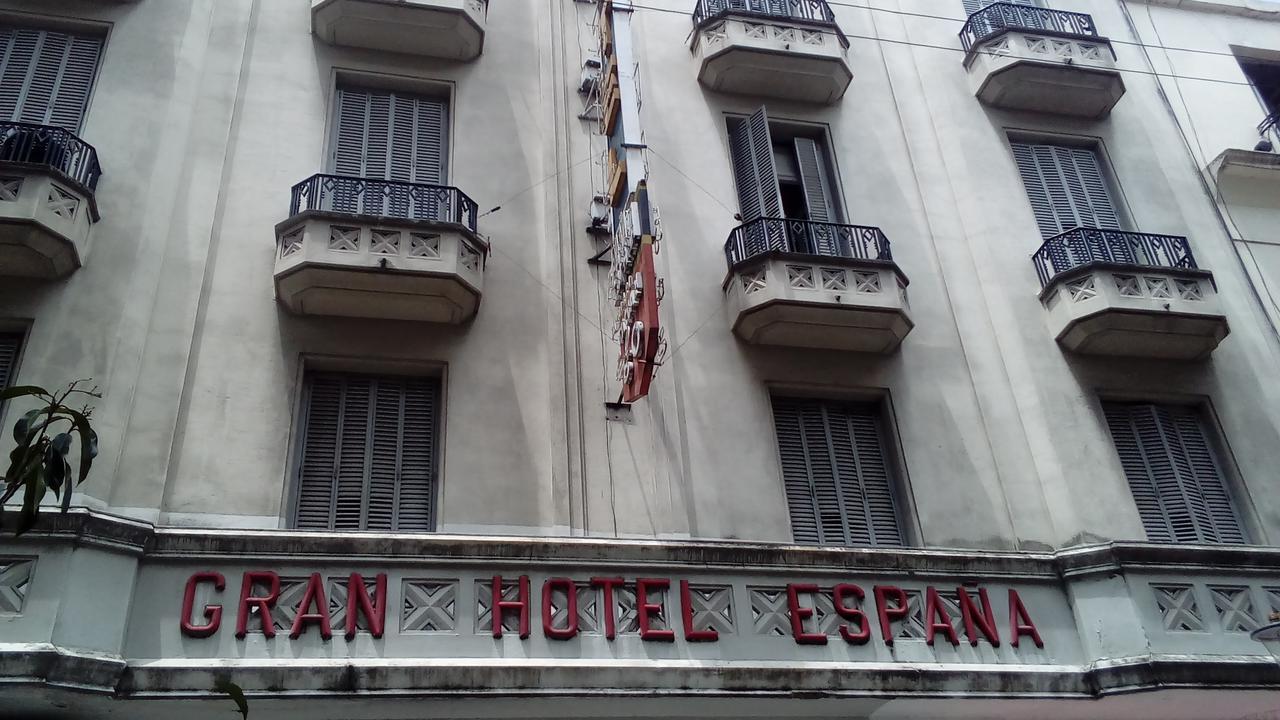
{"x":590,"y":78}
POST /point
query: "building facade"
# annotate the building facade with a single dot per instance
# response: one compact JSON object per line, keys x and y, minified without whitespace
{"x":963,"y":317}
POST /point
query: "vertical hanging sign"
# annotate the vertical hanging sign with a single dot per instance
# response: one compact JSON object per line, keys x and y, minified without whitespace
{"x":633,"y":280}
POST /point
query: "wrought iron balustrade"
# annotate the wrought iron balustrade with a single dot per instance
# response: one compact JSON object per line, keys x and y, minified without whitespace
{"x":815,"y":11}
{"x":999,"y":17}
{"x":384,"y":198}
{"x":52,"y":147}
{"x":1270,"y":129}
{"x":804,"y":237}
{"x":1082,"y":246}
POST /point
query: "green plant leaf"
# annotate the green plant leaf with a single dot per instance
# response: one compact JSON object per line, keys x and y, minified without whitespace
{"x":22,"y":428}
{"x":22,"y":391}
{"x":232,"y":690}
{"x":88,"y":442}
{"x":56,"y":468}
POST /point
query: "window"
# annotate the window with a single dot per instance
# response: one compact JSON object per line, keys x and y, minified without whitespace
{"x":1265,"y":78}
{"x":835,"y":472}
{"x":1175,"y":478}
{"x":368,"y":457}
{"x":387,"y":135}
{"x":1066,"y":186}
{"x":781,"y":171}
{"x":46,"y":76}
{"x":10,"y":344}
{"x":973,"y":6}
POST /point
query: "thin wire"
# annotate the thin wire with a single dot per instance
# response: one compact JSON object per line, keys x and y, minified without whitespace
{"x":962,"y":50}
{"x":552,"y":176}
{"x":696,"y":184}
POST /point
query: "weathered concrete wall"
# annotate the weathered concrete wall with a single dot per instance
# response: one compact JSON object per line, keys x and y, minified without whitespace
{"x":207,"y":112}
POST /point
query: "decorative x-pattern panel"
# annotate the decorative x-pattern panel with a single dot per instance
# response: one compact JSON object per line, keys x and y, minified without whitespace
{"x":1128,"y":285}
{"x":834,"y":279}
{"x":385,"y":242}
{"x":712,"y":607}
{"x":1158,"y":287}
{"x":912,"y":626}
{"x":470,"y":259}
{"x":868,"y":283}
{"x":753,"y":282}
{"x":715,"y":34}
{"x":1189,"y":290}
{"x":625,"y":605}
{"x":9,"y":188}
{"x":62,"y":202}
{"x":484,"y":600}
{"x":15,"y":576}
{"x":769,"y":613}
{"x":1082,"y":289}
{"x":344,"y":239}
{"x":291,"y":242}
{"x":422,"y":245}
{"x":429,"y":605}
{"x":1177,"y":605}
{"x":1235,"y":608}
{"x":800,"y":277}
{"x":336,"y":592}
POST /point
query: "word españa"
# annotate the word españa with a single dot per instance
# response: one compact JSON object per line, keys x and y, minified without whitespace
{"x":259,"y":592}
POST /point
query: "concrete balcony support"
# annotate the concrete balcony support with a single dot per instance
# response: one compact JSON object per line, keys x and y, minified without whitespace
{"x":448,"y":29}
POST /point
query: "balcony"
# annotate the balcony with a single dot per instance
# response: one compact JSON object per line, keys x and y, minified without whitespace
{"x":47,"y":205}
{"x":815,"y":285}
{"x":786,"y":49}
{"x":1029,"y":58}
{"x":1252,"y":171}
{"x":448,"y":29}
{"x":355,"y":247}
{"x":1110,"y":292}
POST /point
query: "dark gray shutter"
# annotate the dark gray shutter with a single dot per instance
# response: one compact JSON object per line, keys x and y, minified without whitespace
{"x":1176,"y":482}
{"x":10,"y":344}
{"x":973,"y":6}
{"x":817,"y":197}
{"x":754,"y":173}
{"x":368,"y":453}
{"x":836,"y":477}
{"x":1066,"y":187}
{"x":46,"y":76}
{"x":383,"y":135}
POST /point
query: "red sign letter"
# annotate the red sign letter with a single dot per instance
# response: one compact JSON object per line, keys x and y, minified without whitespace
{"x":570,"y":591}
{"x":936,"y":618}
{"x":312,"y":595}
{"x":644,"y":609}
{"x":973,"y":622}
{"x":840,"y":596}
{"x":1020,"y":621}
{"x":606,"y":586}
{"x":686,"y":605}
{"x":889,"y":614}
{"x":375,"y":612}
{"x":263,"y":603}
{"x":213,"y":613}
{"x":799,"y":614}
{"x":499,"y":606}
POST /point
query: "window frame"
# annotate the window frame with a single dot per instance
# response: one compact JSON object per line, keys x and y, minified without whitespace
{"x":443,"y":90}
{"x":62,"y":24}
{"x":791,"y":129}
{"x":310,"y":363}
{"x":1119,"y":200}
{"x":1216,"y":438}
{"x":21,"y":328}
{"x":891,"y":445}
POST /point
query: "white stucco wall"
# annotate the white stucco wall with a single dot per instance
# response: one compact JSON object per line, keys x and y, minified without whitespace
{"x":207,"y":112}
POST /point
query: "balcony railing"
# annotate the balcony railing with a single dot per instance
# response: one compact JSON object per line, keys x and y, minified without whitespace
{"x":815,"y":11}
{"x":384,"y":198}
{"x":1082,"y":246}
{"x":767,"y":235}
{"x":52,"y":147}
{"x":1270,"y":129}
{"x":999,"y":17}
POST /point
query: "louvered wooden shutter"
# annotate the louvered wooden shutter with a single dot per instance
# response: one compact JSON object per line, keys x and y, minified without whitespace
{"x":1176,"y":481}
{"x":368,"y":459}
{"x":817,"y":196}
{"x":10,"y":344}
{"x":973,"y":6}
{"x":754,"y":173}
{"x":383,"y":135}
{"x":835,"y":473}
{"x":46,"y":76}
{"x":1066,"y":187}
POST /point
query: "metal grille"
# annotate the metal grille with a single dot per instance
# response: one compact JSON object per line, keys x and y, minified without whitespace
{"x":51,"y":147}
{"x":1270,"y":129}
{"x":805,"y":237}
{"x":999,"y":17}
{"x":385,"y":198}
{"x":810,"y":10}
{"x":368,"y":453}
{"x":1081,"y":246}
{"x":1176,"y":482}
{"x":10,"y":345}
